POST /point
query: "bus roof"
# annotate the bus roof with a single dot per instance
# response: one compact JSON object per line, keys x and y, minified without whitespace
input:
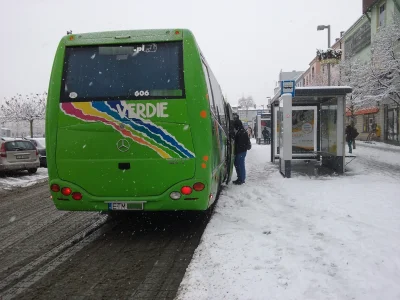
{"x":125,"y":36}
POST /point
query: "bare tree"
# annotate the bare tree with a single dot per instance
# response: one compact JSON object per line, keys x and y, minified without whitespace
{"x":24,"y":108}
{"x":383,"y":78}
{"x":246,"y":103}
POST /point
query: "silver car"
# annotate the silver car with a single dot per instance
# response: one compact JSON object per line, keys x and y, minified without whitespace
{"x":18,"y":154}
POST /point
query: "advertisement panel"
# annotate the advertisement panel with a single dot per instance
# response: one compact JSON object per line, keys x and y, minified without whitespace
{"x":304,"y":133}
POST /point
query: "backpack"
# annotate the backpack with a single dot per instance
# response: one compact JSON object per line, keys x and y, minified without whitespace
{"x":355,"y":133}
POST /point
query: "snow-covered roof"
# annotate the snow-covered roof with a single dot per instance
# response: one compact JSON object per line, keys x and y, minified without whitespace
{"x":331,"y":87}
{"x":252,"y":107}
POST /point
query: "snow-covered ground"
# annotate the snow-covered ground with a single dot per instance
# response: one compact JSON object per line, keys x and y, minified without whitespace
{"x":326,"y":237}
{"x":378,"y":152}
{"x":22,"y":179}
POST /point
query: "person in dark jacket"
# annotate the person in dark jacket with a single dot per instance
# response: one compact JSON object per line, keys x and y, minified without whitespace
{"x":242,"y":141}
{"x":351,"y":134}
{"x":265,"y":134}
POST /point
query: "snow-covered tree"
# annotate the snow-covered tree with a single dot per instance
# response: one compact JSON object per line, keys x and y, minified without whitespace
{"x":24,"y":108}
{"x":246,"y":103}
{"x":353,"y":72}
{"x":383,"y":78}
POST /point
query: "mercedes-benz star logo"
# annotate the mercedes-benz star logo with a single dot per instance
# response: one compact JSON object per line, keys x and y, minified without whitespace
{"x":123,"y":145}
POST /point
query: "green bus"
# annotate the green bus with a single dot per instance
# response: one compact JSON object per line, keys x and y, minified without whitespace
{"x":136,"y":120}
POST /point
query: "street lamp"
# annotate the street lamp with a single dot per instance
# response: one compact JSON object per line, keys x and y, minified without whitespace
{"x":322,"y":27}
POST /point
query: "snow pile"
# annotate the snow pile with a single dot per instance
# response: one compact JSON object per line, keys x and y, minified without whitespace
{"x":22,"y":179}
{"x":330,"y":237}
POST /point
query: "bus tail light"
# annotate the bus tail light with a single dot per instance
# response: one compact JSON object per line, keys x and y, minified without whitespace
{"x":55,"y":188}
{"x":175,"y":195}
{"x":76,"y":196}
{"x":66,"y":191}
{"x":186,"y":190}
{"x":198,"y":186}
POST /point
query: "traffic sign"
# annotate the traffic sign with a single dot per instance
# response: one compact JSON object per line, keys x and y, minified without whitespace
{"x":288,"y":87}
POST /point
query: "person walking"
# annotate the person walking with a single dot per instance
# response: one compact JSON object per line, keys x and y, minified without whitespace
{"x":351,"y":134}
{"x":265,"y":134}
{"x":249,"y":131}
{"x":242,"y":144}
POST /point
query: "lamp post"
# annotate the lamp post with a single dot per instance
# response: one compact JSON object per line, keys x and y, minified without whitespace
{"x":322,"y":27}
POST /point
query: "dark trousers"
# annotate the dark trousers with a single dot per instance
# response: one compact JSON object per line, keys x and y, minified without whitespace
{"x":349,"y":142}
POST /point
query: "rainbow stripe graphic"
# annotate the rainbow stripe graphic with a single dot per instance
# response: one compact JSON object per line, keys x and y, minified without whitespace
{"x":140,"y":131}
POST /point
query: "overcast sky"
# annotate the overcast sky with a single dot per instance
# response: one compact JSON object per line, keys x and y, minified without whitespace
{"x":245,"y":42}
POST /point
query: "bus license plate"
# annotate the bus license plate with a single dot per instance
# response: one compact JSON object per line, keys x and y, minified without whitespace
{"x":117,"y":206}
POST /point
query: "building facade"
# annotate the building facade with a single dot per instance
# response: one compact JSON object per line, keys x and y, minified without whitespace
{"x":248,"y":116}
{"x":357,"y":44}
{"x":381,"y":13}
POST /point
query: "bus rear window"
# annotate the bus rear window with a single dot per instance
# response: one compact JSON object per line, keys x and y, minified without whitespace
{"x":123,"y":72}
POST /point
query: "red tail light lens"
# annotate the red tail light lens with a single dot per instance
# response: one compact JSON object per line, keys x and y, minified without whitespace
{"x":3,"y":150}
{"x":66,"y":191}
{"x":186,"y":190}
{"x":198,"y":186}
{"x":77,"y":196}
{"x":55,"y":188}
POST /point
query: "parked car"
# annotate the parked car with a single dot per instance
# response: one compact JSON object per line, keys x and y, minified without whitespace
{"x":40,"y":144}
{"x":18,"y":154}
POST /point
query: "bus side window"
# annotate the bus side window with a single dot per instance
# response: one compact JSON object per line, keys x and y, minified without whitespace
{"x":218,"y":99}
{"x":229,"y":119}
{"x":209,"y":90}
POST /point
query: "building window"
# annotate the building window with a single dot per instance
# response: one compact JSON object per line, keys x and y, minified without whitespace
{"x":382,"y":14}
{"x":312,"y":72}
{"x":392,"y":121}
{"x":368,"y":120}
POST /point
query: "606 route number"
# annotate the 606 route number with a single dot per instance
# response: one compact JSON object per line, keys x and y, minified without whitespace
{"x":142,"y":93}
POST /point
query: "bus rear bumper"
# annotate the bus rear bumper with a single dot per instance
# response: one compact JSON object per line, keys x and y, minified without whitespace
{"x":197,"y":200}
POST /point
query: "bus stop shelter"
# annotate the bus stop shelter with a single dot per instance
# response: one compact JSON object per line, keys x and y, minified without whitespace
{"x":318,"y":125}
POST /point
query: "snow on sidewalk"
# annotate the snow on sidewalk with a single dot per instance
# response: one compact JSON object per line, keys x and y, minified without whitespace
{"x":331,"y":237}
{"x":379,"y":152}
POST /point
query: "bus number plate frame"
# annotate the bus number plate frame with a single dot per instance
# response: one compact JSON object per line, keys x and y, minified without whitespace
{"x":125,"y":205}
